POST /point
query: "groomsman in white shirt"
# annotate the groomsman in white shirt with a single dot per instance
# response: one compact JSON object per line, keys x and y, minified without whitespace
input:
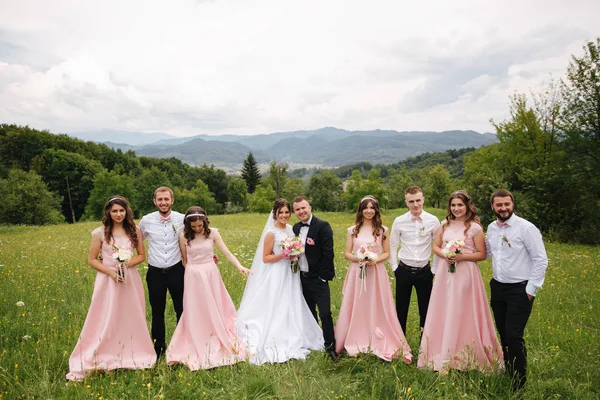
{"x":165,"y":269}
{"x":414,"y":233}
{"x":519,"y":265}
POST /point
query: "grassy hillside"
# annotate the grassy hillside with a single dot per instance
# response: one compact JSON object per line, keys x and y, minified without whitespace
{"x":45,"y":268}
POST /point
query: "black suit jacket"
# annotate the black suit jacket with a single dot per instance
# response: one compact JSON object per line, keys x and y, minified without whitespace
{"x":320,"y":254}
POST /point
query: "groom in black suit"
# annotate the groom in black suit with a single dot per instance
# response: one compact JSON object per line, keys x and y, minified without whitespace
{"x":316,"y":267}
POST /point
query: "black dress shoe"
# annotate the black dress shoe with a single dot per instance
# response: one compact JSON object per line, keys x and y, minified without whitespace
{"x":333,"y":355}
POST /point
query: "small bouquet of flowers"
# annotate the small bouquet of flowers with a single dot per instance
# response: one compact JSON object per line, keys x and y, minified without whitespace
{"x":121,"y":257}
{"x":292,"y":247}
{"x":365,"y":255}
{"x":453,"y":247}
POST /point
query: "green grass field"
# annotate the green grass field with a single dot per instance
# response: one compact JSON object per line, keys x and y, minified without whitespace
{"x":45,"y":268}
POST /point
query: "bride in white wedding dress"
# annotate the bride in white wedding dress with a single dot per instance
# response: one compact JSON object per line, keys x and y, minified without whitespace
{"x":273,"y":319}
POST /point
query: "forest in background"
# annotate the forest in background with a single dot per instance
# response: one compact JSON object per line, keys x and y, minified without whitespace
{"x":548,"y":155}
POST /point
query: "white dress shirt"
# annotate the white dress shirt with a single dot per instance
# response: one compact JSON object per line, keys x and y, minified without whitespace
{"x":163,"y":238}
{"x":302,"y":261}
{"x":518,"y":253}
{"x":415,"y":238}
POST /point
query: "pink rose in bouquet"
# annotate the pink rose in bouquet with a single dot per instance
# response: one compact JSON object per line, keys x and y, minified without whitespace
{"x":292,"y":247}
{"x":452,"y":248}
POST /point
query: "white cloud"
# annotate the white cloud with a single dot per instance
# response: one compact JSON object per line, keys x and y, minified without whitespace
{"x":189,"y":67}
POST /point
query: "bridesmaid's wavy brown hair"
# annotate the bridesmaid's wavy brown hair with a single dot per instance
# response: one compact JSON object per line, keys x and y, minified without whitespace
{"x":359,"y":219}
{"x":128,"y":223}
{"x":471,"y":210}
{"x":194,"y":214}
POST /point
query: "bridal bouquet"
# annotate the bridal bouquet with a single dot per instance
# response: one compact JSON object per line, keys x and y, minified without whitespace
{"x":365,"y":254}
{"x":121,"y":257}
{"x":453,"y":247}
{"x":292,"y":247}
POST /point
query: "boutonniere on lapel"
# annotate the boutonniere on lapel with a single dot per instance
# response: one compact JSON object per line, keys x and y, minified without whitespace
{"x":310,"y":242}
{"x":505,"y":240}
{"x":175,"y":228}
{"x":422,"y":231}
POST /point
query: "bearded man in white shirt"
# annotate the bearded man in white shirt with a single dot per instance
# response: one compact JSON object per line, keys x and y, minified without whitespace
{"x":414,"y":233}
{"x":165,"y":269}
{"x":519,"y":263}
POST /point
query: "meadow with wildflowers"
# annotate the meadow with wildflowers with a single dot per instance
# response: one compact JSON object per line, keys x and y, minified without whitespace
{"x":46,"y":285}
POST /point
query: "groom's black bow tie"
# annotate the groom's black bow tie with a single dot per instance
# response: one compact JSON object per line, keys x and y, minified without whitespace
{"x":304,"y":224}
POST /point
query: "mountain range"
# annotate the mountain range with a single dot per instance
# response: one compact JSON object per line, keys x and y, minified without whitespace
{"x":325,"y":147}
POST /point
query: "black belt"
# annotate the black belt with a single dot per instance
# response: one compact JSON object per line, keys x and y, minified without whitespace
{"x":522,"y":283}
{"x":414,"y":270}
{"x":165,"y":270}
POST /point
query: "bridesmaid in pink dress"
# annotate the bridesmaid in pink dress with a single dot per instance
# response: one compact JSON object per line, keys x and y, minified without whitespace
{"x":115,"y":334}
{"x":368,"y":322}
{"x":205,"y":335}
{"x":459,"y":332}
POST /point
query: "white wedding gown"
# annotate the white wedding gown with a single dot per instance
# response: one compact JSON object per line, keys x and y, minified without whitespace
{"x":274,"y":320}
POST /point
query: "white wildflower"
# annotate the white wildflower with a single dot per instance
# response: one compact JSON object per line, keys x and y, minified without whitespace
{"x":20,"y":304}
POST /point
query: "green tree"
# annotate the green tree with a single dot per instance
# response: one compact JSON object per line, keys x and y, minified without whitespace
{"x":325,"y":191}
{"x":238,"y":194}
{"x":70,"y":175}
{"x":485,"y":172}
{"x":292,"y":189}
{"x":145,"y":185}
{"x":27,"y":200}
{"x":199,"y":195}
{"x":534,"y":155}
{"x":580,"y":122}
{"x":262,"y":199}
{"x":396,"y":183}
{"x":251,"y":173}
{"x":106,"y":185}
{"x":277,"y":177}
{"x":438,"y":186}
{"x":358,"y":187}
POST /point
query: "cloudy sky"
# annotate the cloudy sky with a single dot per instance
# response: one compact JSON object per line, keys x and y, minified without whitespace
{"x":262,"y":66}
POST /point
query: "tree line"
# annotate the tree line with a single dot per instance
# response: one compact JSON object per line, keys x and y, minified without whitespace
{"x":548,"y":155}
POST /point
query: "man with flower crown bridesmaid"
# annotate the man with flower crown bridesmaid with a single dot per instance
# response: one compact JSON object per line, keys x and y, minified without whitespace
{"x":165,"y":269}
{"x":519,"y":263}
{"x":414,"y":232}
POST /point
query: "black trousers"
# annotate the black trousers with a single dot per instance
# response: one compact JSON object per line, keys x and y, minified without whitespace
{"x":512,"y":309}
{"x":422,"y":281}
{"x":316,"y":293}
{"x":159,"y":281}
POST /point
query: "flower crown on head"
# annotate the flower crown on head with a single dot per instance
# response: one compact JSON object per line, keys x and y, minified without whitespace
{"x":195,"y":215}
{"x":369,"y":197}
{"x":461,"y":192}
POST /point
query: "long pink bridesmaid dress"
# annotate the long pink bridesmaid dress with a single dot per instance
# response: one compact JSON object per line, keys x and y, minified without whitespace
{"x":115,"y":334}
{"x":368,"y":322}
{"x":459,"y":332}
{"x":205,"y":336}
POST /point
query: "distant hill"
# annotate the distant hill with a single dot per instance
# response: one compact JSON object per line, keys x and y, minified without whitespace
{"x":322,"y":147}
{"x":121,"y":137}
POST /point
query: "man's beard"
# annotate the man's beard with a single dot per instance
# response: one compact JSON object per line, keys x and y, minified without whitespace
{"x":503,"y":219}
